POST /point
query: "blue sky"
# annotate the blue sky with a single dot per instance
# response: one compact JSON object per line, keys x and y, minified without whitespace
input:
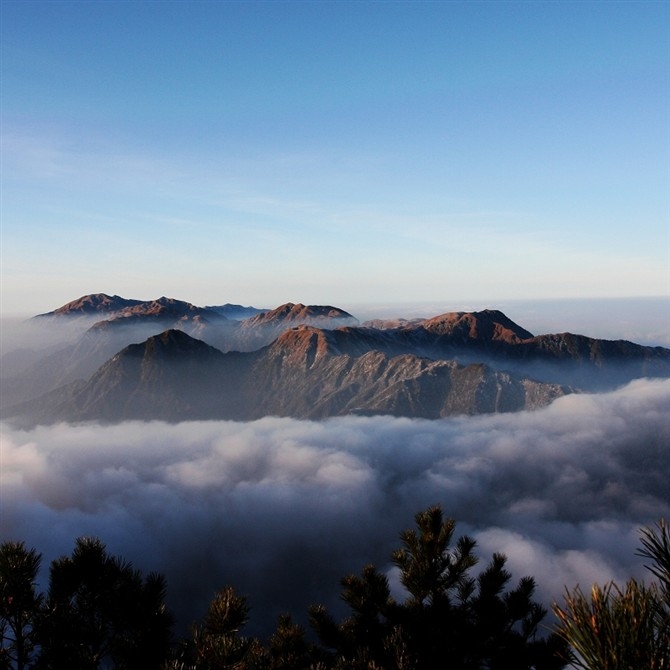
{"x":334,"y":152}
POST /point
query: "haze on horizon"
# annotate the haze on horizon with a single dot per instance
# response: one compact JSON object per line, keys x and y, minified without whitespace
{"x":331,"y":152}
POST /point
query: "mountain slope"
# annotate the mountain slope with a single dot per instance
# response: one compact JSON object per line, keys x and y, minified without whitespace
{"x":171,"y":376}
{"x":303,"y":374}
{"x":460,"y":362}
{"x":132,"y":321}
{"x":587,"y":363}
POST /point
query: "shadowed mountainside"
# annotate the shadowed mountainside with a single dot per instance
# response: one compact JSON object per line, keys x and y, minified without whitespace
{"x":301,"y":361}
{"x":133,"y":321}
{"x":303,"y":374}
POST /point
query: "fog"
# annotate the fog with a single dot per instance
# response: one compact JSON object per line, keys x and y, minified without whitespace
{"x":282,"y":509}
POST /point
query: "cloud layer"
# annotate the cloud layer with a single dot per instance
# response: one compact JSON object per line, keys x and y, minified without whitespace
{"x":282,"y":509}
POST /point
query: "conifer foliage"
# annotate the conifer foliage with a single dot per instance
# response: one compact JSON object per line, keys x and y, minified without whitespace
{"x":99,"y":613}
{"x":623,"y":628}
{"x":447,"y":613}
{"x":19,"y":603}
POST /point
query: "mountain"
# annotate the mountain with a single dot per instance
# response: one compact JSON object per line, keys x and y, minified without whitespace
{"x":121,"y":312}
{"x":211,"y":325}
{"x":164,"y":310}
{"x":171,"y":359}
{"x":315,"y":373}
{"x":303,"y":374}
{"x":127,"y":321}
{"x":170,"y":376}
{"x":133,"y":321}
{"x":93,"y":304}
{"x":489,"y":336}
{"x":487,"y":326}
{"x":236,"y":312}
{"x":315,"y":315}
{"x":263,"y":328}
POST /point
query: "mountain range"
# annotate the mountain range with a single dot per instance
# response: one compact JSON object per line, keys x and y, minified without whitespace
{"x":168,"y":359}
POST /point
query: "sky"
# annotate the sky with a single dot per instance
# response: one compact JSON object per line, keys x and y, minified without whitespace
{"x":334,"y":152}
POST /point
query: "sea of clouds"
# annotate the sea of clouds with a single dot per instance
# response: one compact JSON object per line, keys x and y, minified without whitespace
{"x":282,"y":509}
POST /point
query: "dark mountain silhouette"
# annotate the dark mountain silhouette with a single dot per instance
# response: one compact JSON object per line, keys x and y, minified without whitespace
{"x":170,"y":376}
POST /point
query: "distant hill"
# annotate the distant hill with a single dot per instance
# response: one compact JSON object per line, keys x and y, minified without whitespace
{"x":131,"y":321}
{"x":93,"y":304}
{"x":316,"y":315}
{"x":171,"y":359}
{"x":263,"y":328}
{"x":236,"y":312}
{"x":174,"y":377}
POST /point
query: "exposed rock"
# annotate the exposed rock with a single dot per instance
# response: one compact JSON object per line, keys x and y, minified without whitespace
{"x":300,"y":361}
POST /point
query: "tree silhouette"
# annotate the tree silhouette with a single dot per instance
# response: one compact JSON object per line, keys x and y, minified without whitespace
{"x":216,"y":644}
{"x":19,"y":604}
{"x":100,"y":613}
{"x":448,"y":617}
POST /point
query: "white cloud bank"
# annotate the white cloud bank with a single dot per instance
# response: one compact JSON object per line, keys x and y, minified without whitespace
{"x":282,"y":509}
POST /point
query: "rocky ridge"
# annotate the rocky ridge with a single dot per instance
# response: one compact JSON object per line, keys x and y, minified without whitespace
{"x":317,"y":361}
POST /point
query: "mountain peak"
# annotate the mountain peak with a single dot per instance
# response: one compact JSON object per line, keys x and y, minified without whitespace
{"x":304,"y":343}
{"x":488,"y":324}
{"x":172,"y":344}
{"x":162,"y":306}
{"x":93,"y":303}
{"x":299,"y":313}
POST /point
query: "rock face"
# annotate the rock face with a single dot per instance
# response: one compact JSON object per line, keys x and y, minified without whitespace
{"x":307,"y":372}
{"x":303,"y":374}
{"x":167,"y":359}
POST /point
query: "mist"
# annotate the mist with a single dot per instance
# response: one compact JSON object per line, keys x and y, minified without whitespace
{"x":282,"y":509}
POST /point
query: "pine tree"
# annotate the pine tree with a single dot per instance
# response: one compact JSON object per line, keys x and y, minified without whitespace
{"x":448,"y":619}
{"x":19,"y":604}
{"x":617,"y":628}
{"x":100,"y":612}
